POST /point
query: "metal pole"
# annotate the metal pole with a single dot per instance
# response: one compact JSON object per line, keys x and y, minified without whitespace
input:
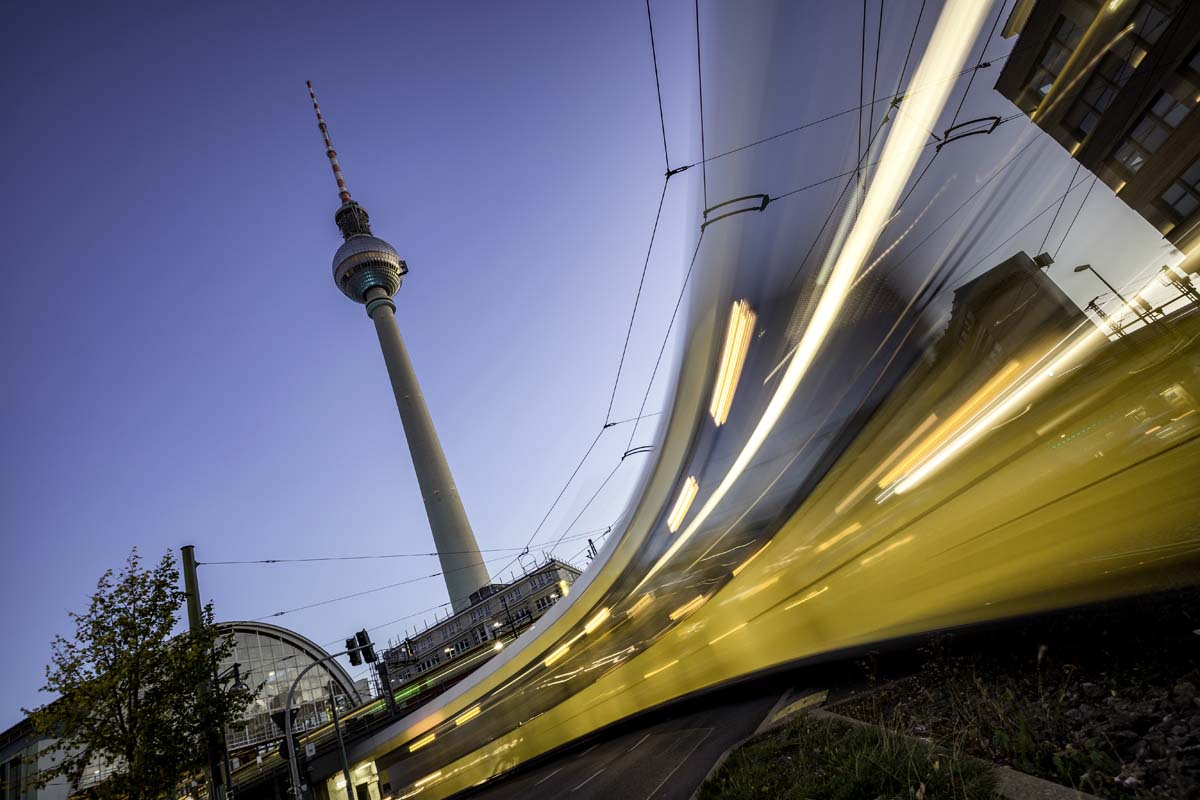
{"x":341,"y":742}
{"x":287,"y":720}
{"x":1136,"y":312}
{"x":191,"y":589}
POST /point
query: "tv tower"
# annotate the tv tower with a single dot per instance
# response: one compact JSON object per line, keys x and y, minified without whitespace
{"x":368,"y":270}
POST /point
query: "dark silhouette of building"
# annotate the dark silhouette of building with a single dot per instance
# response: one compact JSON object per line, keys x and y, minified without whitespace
{"x":1013,"y":304}
{"x":1117,"y":85}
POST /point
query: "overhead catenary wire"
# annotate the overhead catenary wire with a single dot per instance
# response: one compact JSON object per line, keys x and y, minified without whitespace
{"x":894,"y":99}
{"x":700,"y":93}
{"x":1076,"y":217}
{"x":979,"y":64}
{"x":1027,"y":223}
{"x":636,"y":299}
{"x":657,"y":216}
{"x":862,"y":72}
{"x":608,"y":423}
{"x":891,"y":98}
{"x":1057,"y":211}
{"x":380,"y":556}
{"x":370,"y":591}
{"x":875,"y":72}
{"x":666,"y":337}
{"x":662,"y":120}
{"x":588,"y":504}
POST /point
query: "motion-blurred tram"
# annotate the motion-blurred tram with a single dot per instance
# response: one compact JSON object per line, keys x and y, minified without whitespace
{"x":879,"y":427}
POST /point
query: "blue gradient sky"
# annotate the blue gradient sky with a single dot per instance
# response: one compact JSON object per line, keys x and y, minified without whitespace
{"x":179,"y":367}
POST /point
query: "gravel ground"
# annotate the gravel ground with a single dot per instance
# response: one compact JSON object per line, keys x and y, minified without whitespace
{"x":1104,"y":700}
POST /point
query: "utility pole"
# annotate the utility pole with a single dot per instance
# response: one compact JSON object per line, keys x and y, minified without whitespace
{"x":191,"y":588}
{"x":341,"y":742}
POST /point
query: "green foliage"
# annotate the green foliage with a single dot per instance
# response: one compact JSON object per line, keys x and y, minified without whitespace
{"x":133,"y":698}
{"x":813,"y":757}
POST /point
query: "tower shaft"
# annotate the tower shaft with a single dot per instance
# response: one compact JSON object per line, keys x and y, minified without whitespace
{"x":458,"y":552}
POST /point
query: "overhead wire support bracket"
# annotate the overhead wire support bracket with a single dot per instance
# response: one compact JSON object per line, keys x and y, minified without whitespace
{"x":764,"y":200}
{"x":949,"y":134}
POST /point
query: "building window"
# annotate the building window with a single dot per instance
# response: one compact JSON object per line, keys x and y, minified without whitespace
{"x":1098,"y":94}
{"x":1193,"y":63}
{"x":1182,"y":197}
{"x":1152,"y":18}
{"x":1153,"y":128}
{"x":545,"y":602}
{"x":1063,"y":41}
{"x":1149,"y":21}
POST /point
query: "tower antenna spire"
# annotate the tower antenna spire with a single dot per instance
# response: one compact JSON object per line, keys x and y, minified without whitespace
{"x":343,"y":192}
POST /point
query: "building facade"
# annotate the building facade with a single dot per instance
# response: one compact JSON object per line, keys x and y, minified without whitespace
{"x":1117,"y":85}
{"x":22,"y":753}
{"x":497,"y":613}
{"x":269,"y":659}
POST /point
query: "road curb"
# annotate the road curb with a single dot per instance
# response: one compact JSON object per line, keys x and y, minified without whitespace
{"x":721,"y":759}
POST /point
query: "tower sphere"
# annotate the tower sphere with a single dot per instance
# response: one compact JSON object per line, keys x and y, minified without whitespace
{"x":364,"y":261}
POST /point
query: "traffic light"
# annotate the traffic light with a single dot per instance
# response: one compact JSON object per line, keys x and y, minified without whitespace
{"x":366,"y":648}
{"x":360,"y":648}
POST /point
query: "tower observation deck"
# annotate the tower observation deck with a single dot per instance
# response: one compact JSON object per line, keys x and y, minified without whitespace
{"x":368,"y":270}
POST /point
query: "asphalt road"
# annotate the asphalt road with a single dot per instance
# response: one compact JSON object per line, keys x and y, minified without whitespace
{"x":664,"y":759}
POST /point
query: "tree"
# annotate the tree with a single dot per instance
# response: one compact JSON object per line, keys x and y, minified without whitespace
{"x":133,"y":697}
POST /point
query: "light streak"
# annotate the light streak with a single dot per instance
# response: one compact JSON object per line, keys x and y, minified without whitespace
{"x":746,"y":563}
{"x":666,"y":666}
{"x":733,"y":358}
{"x":688,"y":607}
{"x":953,"y":37}
{"x":753,"y":590}
{"x":1034,"y":379}
{"x":729,"y":632}
{"x":641,"y":605}
{"x":428,"y":778}
{"x":597,"y":620}
{"x":419,"y":743}
{"x":861,"y":489}
{"x":687,"y":493}
{"x":837,"y":537}
{"x":886,"y":550}
{"x":556,"y":654}
{"x":806,"y":598}
{"x":965,"y":412}
{"x":468,"y":715}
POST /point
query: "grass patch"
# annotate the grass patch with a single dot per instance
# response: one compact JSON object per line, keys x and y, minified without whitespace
{"x":814,"y":757}
{"x":1106,"y":702}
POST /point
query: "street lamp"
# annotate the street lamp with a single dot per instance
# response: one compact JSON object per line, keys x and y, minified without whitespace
{"x":1113,"y":289}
